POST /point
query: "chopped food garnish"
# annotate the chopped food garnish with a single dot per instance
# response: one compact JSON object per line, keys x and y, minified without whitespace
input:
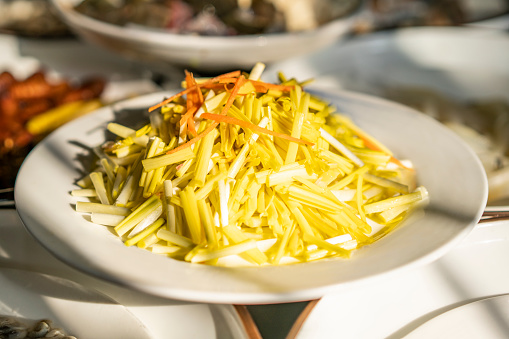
{"x":236,"y":171}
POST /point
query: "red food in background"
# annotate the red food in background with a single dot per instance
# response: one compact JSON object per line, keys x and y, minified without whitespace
{"x":21,"y":100}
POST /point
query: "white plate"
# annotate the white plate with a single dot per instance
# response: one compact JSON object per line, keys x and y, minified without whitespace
{"x":488,"y":318}
{"x":77,"y":310}
{"x":163,"y":318}
{"x":396,"y":306}
{"x":445,"y":165}
{"x":463,"y":63}
{"x":206,"y":53}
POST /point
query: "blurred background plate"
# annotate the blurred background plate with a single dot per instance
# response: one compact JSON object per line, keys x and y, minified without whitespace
{"x":396,"y":306}
{"x":35,"y":284}
{"x":487,"y":318}
{"x":458,"y":75}
{"x":78,"y":311}
{"x":207,"y":53}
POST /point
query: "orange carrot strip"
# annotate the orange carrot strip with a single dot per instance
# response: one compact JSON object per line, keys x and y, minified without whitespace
{"x":399,"y":163}
{"x":241,"y":80}
{"x":188,"y":90}
{"x":253,"y":127}
{"x":371,"y":145}
{"x":234,"y":74}
{"x":190,"y":84}
{"x":170,"y":99}
{"x":200,"y":94}
{"x":191,"y":127}
{"x":193,"y":99}
{"x":265,"y":86}
{"x":195,"y":139}
{"x":189,"y":114}
{"x":214,"y":86}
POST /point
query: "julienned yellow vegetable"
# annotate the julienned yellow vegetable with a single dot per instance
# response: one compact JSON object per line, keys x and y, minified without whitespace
{"x":236,"y":171}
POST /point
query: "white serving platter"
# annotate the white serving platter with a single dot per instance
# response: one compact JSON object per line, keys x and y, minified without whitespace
{"x":449,"y":170}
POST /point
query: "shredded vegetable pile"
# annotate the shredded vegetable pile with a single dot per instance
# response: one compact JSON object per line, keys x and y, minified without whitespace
{"x":236,"y":171}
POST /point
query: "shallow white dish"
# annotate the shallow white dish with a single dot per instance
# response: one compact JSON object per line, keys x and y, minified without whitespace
{"x":162,"y":318}
{"x":445,"y":165}
{"x":461,"y":62}
{"x":395,"y":306}
{"x":206,"y":53}
{"x":79,"y":311}
{"x":487,"y":318}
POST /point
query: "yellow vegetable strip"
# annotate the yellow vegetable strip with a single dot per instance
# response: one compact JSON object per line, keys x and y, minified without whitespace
{"x":298,"y":122}
{"x":349,"y":178}
{"x":181,"y":180}
{"x":318,"y":222}
{"x":170,"y":208}
{"x":155,"y":181}
{"x":129,"y":186}
{"x":119,"y":181}
{"x":257,"y":71}
{"x":360,"y":198}
{"x":137,"y":215}
{"x":207,"y":255}
{"x":148,"y":241}
{"x":273,"y":151}
{"x":147,"y":220}
{"x":301,"y":220}
{"x":84,"y":192}
{"x":237,"y":236}
{"x":108,"y":170}
{"x":261,"y":176}
{"x":203,"y":156}
{"x":208,"y":223}
{"x":91,"y":207}
{"x":310,"y":198}
{"x":204,"y":191}
{"x":345,"y":164}
{"x":273,"y":219}
{"x":337,"y":240}
{"x":282,"y":177}
{"x":260,"y":208}
{"x":224,"y":193}
{"x":215,"y":102}
{"x":174,"y":238}
{"x":241,"y":156}
{"x":190,"y":206}
{"x":326,"y":245}
{"x":386,"y":183}
{"x":100,"y":189}
{"x":341,"y":148}
{"x":126,"y":132}
{"x":309,"y":184}
{"x":106,"y":219}
{"x":162,"y":249}
{"x":147,"y":231}
{"x":385,"y":204}
{"x":281,"y":249}
{"x":168,"y":159}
